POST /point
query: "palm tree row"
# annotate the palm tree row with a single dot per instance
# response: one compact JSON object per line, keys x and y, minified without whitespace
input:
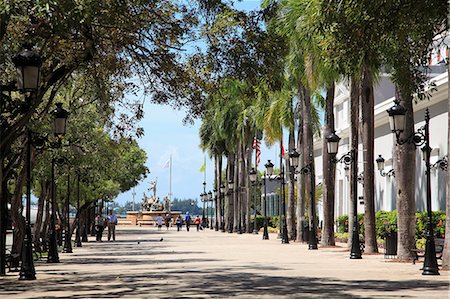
{"x":327,"y":42}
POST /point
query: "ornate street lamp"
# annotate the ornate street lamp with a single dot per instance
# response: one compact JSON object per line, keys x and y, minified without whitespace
{"x":222,"y":207}
{"x":216,"y":209}
{"x":253,"y":179}
{"x":67,"y":240}
{"x":348,"y":159}
{"x":265,"y":222}
{"x":308,"y":169}
{"x":28,"y":65}
{"x":441,"y":163}
{"x":231,"y":191}
{"x":210,"y":199}
{"x":420,"y":137}
{"x":269,"y":169}
{"x":380,"y":166}
{"x":78,"y":235}
{"x":59,"y":130}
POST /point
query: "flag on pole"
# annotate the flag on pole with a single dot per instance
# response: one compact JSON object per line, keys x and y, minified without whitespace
{"x":203,"y":167}
{"x":167,"y":164}
{"x":282,"y":149}
{"x":256,"y":143}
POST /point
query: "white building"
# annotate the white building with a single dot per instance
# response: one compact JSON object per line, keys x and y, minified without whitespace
{"x":384,"y":144}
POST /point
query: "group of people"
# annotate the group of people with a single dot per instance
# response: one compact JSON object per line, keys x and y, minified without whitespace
{"x":101,"y":222}
{"x":179,"y":221}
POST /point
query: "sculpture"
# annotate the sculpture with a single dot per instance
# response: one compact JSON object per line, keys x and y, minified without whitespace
{"x":152,"y":203}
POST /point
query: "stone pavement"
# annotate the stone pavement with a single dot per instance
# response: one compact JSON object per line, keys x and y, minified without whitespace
{"x":210,"y":264}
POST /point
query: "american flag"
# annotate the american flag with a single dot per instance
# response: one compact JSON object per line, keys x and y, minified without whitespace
{"x":256,"y":143}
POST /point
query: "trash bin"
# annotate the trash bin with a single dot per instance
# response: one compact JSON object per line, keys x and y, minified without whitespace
{"x":390,"y":242}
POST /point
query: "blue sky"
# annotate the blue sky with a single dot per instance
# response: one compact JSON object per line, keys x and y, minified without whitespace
{"x":166,"y":135}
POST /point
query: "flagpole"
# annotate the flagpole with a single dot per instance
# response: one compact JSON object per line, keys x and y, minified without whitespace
{"x":170,"y":179}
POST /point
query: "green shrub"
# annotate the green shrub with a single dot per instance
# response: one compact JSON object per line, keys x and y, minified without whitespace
{"x":341,"y":237}
{"x":438,"y":219}
{"x":387,"y":222}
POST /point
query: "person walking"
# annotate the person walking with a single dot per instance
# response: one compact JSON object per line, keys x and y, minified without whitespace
{"x":99,"y":227}
{"x":187,"y":219}
{"x":167,"y":220}
{"x":112,"y":222}
{"x":197,"y":222}
{"x":159,"y":221}
{"x":179,"y":222}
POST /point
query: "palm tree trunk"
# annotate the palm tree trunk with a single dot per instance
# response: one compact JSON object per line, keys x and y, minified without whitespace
{"x":309,"y":157}
{"x":446,"y":252}
{"x":329,"y":173}
{"x":236,"y":195}
{"x":354,"y":121}
{"x":405,"y":159}
{"x":242,"y":184}
{"x":368,"y":125}
{"x":300,"y":211}
{"x":248,"y":187}
{"x":290,"y":211}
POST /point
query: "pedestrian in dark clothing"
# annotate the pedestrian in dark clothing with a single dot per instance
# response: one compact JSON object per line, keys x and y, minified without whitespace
{"x":179,"y":222}
{"x":99,"y":227}
{"x":187,"y":219}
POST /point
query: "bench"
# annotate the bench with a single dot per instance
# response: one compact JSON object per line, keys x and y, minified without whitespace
{"x":438,"y":246}
{"x":12,"y":261}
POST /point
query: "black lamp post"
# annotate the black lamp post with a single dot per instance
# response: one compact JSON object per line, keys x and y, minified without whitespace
{"x":67,"y":240}
{"x":28,"y":64}
{"x":203,"y":198}
{"x":283,"y":224}
{"x":421,"y":137}
{"x":222,"y":207}
{"x":231,"y":191}
{"x":211,"y":200}
{"x":216,"y":209}
{"x":253,"y":179}
{"x":294,"y":158}
{"x":59,"y":129}
{"x":78,"y":234}
{"x":380,"y":166}
{"x":348,"y":159}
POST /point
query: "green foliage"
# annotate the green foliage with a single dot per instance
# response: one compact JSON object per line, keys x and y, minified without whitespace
{"x":186,"y":205}
{"x":438,"y":220}
{"x":387,"y":222}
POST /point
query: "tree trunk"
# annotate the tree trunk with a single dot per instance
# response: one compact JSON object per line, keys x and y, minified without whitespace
{"x":368,"y":134}
{"x":446,"y":253}
{"x":354,"y":121}
{"x":248,"y":187}
{"x":309,"y":157}
{"x":16,"y":213}
{"x":229,"y":207}
{"x":300,"y":211}
{"x":236,"y":197}
{"x":405,"y":159}
{"x":290,"y":219}
{"x":329,"y":173}
{"x":40,"y":214}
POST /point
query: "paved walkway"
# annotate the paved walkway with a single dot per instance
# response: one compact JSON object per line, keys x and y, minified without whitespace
{"x":213,"y":264}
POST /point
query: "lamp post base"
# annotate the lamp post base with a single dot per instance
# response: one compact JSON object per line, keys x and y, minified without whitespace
{"x":312,"y":242}
{"x":67,"y":243}
{"x":355,"y":253}
{"x":27,"y":271}
{"x":266,"y":230}
{"x":430,"y":266}
{"x":53,"y":256}
{"x":284,"y":235}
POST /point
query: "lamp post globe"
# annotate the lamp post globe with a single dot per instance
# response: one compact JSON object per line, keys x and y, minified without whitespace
{"x":333,"y":143}
{"x":294,"y":157}
{"x":28,"y":64}
{"x":397,"y":118}
{"x":60,"y":120}
{"x":222,"y":188}
{"x":269,"y":168}
{"x":380,"y":163}
{"x":252,"y":175}
{"x":231,"y":185}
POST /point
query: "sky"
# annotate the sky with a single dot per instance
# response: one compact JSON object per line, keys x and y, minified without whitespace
{"x":165,"y":135}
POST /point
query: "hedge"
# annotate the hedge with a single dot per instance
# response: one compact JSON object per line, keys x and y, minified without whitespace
{"x":387,"y":222}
